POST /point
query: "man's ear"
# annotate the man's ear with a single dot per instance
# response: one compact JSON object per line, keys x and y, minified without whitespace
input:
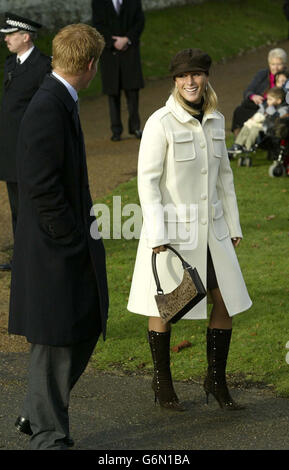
{"x":26,"y":37}
{"x":91,"y":64}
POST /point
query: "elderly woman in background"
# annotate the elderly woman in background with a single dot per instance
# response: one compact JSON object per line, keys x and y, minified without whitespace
{"x":255,"y":93}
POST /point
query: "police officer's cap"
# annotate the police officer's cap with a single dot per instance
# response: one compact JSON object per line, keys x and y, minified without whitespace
{"x":15,"y":23}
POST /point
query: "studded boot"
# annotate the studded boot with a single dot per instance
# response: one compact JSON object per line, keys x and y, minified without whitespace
{"x":218,"y":344}
{"x":162,"y":383}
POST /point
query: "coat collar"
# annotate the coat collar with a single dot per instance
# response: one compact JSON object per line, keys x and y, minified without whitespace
{"x":183,"y":116}
{"x":111,"y":6}
{"x":58,"y":89}
{"x":31,"y":59}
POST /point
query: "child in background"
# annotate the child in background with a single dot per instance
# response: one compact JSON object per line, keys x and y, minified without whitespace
{"x":281,"y":78}
{"x":262,"y":120}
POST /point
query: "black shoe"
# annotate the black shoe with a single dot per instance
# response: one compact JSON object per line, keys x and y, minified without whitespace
{"x":23,"y":425}
{"x":5,"y":267}
{"x":115,"y":137}
{"x":138,"y":133}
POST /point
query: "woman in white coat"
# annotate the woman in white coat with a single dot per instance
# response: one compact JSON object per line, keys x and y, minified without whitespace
{"x":188,"y":200}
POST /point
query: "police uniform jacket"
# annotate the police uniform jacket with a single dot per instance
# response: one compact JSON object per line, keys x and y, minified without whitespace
{"x":19,"y":85}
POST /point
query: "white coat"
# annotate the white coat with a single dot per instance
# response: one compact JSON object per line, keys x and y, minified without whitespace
{"x":187,"y":194}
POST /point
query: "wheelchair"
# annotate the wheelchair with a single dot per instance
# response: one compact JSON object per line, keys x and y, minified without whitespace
{"x":280,"y":165}
{"x":276,"y":142}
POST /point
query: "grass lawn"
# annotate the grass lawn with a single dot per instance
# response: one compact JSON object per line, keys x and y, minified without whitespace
{"x":223,"y":28}
{"x":258,"y":351}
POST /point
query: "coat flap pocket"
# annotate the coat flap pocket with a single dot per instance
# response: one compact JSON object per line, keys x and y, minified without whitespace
{"x":181,"y":213}
{"x":217,"y":210}
{"x":182,"y":233}
{"x":218,"y":134}
{"x":183,"y":136}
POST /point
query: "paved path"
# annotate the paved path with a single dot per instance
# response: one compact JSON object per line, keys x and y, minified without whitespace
{"x":110,"y":412}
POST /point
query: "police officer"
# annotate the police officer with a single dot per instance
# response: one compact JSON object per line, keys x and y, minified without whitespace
{"x":24,"y":71}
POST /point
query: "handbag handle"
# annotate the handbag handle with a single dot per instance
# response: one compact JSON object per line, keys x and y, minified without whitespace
{"x":154,"y":266}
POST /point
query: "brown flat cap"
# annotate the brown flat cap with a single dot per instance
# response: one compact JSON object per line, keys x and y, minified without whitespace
{"x":190,"y":60}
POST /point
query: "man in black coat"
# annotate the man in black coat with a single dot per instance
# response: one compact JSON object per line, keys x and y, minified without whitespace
{"x":121,"y":22}
{"x":59,"y":297}
{"x":24,"y":72}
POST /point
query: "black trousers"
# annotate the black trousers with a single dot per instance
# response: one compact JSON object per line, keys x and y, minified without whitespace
{"x":114,"y":101}
{"x":53,"y":372}
{"x":12,"y":189}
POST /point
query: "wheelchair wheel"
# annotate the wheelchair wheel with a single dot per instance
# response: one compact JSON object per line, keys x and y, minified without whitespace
{"x":276,"y":170}
{"x":241,"y":161}
{"x":248,"y":161}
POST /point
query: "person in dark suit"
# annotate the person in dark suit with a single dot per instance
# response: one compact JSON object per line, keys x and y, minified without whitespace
{"x":59,"y":299}
{"x":121,"y":22}
{"x":24,"y":72}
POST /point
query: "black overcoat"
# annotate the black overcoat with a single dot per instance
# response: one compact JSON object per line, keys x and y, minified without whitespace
{"x":59,"y":288}
{"x":19,"y":85}
{"x":119,"y":69}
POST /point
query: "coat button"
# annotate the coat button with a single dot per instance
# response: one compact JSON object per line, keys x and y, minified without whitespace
{"x":203,"y":221}
{"x":202,"y":145}
{"x":203,"y":197}
{"x":204,"y":171}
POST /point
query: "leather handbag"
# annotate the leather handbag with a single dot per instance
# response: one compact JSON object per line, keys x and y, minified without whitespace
{"x":174,"y":305}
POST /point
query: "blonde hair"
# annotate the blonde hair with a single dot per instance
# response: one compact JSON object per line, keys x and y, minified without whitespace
{"x":74,"y":46}
{"x":210,"y":100}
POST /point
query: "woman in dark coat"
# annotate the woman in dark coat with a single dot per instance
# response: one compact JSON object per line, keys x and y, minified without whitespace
{"x":255,"y":93}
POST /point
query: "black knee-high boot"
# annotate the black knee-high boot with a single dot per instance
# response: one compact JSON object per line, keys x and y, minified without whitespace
{"x":162,"y":382}
{"x":218,"y":344}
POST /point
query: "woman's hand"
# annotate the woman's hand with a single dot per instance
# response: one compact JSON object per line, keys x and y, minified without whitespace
{"x":257,"y":99}
{"x":158,"y":249}
{"x":236,"y":241}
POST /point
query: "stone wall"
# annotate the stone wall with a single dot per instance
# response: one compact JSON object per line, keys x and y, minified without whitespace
{"x":56,"y":13}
